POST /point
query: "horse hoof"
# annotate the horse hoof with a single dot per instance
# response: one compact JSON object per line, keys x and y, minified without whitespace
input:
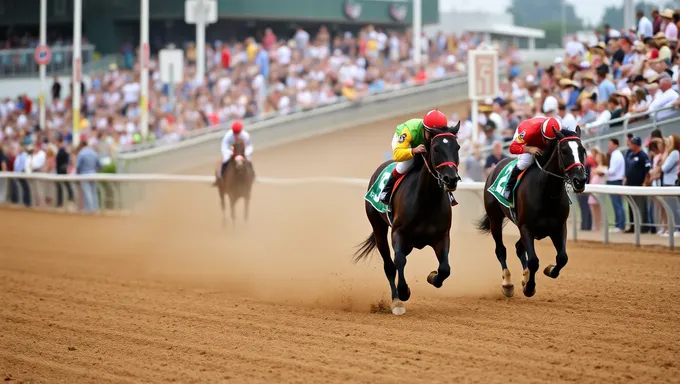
{"x":404,"y":293}
{"x":398,"y":308}
{"x":529,"y":292}
{"x":508,"y":290}
{"x":548,"y":271}
{"x":431,"y":276}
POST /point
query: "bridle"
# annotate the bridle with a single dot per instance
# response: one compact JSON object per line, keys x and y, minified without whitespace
{"x":559,"y":161}
{"x":435,"y":174}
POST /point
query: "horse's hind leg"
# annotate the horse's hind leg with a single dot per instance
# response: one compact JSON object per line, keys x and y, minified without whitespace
{"x":532,"y":262}
{"x":560,"y":243}
{"x":232,"y":209}
{"x":507,"y":286}
{"x":246,"y":208}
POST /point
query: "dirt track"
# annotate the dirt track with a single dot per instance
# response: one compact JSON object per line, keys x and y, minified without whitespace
{"x":171,"y":296}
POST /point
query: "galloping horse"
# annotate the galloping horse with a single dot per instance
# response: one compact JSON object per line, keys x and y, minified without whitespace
{"x":236,"y":181}
{"x":421,"y":214}
{"x":541,"y":207}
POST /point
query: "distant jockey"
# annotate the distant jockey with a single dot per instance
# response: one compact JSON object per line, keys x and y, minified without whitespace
{"x":531,"y":138}
{"x":230,"y":138}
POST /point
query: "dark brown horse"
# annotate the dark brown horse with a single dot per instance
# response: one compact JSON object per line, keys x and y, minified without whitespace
{"x":236,"y":182}
{"x":422,"y":214}
{"x":541,"y":206}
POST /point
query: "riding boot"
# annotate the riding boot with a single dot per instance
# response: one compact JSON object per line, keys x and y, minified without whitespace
{"x":507,"y":194}
{"x":386,"y":194}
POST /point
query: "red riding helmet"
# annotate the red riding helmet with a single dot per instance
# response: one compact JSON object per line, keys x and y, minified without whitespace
{"x":435,"y":119}
{"x":549,"y":126}
{"x":237,"y":127}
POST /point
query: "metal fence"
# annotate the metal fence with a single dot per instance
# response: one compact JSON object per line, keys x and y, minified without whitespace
{"x":21,"y":62}
{"x":122,"y":193}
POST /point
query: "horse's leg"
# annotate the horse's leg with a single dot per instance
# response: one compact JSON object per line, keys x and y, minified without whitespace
{"x":246,"y":207}
{"x":507,"y":287}
{"x":441,"y":249}
{"x":532,"y":262}
{"x":232,"y":209}
{"x":224,"y":206}
{"x":559,"y":240}
{"x":522,"y":256}
{"x":401,"y":250}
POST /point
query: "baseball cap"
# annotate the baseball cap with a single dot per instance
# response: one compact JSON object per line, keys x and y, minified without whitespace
{"x":636,"y":140}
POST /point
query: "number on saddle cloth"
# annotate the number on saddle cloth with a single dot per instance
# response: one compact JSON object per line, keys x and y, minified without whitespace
{"x":497,"y":188}
{"x":373,"y":194}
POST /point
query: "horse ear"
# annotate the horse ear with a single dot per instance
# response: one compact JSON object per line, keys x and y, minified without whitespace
{"x":455,"y":128}
{"x":558,"y":133}
{"x":578,"y":131}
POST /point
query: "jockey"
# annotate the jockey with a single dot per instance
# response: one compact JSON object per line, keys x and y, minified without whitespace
{"x":532,"y":136}
{"x":236,"y":133}
{"x":409,"y":140}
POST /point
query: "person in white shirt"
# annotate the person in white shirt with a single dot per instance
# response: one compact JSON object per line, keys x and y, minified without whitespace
{"x":228,"y":141}
{"x":645,"y":27}
{"x":665,"y":98}
{"x":567,"y":119}
{"x":615,"y":174}
{"x":603,"y":116}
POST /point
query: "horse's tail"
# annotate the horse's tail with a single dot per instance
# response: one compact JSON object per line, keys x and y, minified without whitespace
{"x":484,"y":224}
{"x":365,"y":249}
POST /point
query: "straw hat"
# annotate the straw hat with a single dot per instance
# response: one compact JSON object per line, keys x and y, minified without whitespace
{"x":667,"y":14}
{"x":565,"y":82}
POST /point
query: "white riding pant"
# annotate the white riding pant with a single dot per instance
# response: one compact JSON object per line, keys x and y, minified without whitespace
{"x":524,"y":161}
{"x":402,"y":166}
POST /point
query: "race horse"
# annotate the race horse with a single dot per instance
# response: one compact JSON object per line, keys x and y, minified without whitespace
{"x":540,"y":209}
{"x":236,"y":182}
{"x":420,"y":213}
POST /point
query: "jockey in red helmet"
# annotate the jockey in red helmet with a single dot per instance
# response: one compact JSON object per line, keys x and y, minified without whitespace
{"x":408,"y":141}
{"x":228,"y":141}
{"x":531,"y":137}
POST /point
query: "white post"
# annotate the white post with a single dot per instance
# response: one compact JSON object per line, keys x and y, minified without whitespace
{"x":417,"y":32}
{"x":77,"y":68}
{"x":43,"y":68}
{"x":200,"y":40}
{"x":144,"y":70}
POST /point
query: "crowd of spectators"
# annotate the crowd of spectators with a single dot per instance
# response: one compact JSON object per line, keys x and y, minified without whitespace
{"x":627,"y":74}
{"x":248,"y":79}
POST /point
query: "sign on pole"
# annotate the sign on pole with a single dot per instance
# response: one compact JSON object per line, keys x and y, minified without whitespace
{"x":42,"y":54}
{"x":191,"y":8}
{"x":482,"y":74}
{"x":171,"y":63}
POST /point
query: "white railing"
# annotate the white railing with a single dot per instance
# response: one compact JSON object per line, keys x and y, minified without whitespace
{"x":116,"y":191}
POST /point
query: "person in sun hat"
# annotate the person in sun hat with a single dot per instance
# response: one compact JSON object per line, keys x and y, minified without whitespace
{"x":670,"y":30}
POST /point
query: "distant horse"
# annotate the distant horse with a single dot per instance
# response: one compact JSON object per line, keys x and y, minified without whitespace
{"x":421,"y":214}
{"x":236,"y":182}
{"x":541,"y":207}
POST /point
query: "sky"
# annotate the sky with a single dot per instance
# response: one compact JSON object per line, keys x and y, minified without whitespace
{"x":589,"y":10}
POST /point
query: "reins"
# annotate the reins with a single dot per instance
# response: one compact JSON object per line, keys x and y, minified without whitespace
{"x":444,"y":164}
{"x":559,"y":161}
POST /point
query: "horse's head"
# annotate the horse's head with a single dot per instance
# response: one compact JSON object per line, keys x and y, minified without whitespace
{"x":238,"y":154}
{"x":571,"y":156}
{"x":442,"y":145}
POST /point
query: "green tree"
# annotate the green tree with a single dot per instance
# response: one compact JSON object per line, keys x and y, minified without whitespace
{"x":534,"y":13}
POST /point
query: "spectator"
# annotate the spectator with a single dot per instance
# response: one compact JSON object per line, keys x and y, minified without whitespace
{"x":473,"y":164}
{"x":87,"y":163}
{"x":669,"y":177}
{"x":56,"y":88}
{"x":637,"y":174}
{"x":667,"y":96}
{"x":62,"y":162}
{"x":616,"y":172}
{"x":3,"y":168}
{"x":645,"y":28}
{"x":494,"y":158}
{"x":597,"y":176}
{"x":568,"y":120}
{"x":657,"y":21}
{"x":605,"y":87}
